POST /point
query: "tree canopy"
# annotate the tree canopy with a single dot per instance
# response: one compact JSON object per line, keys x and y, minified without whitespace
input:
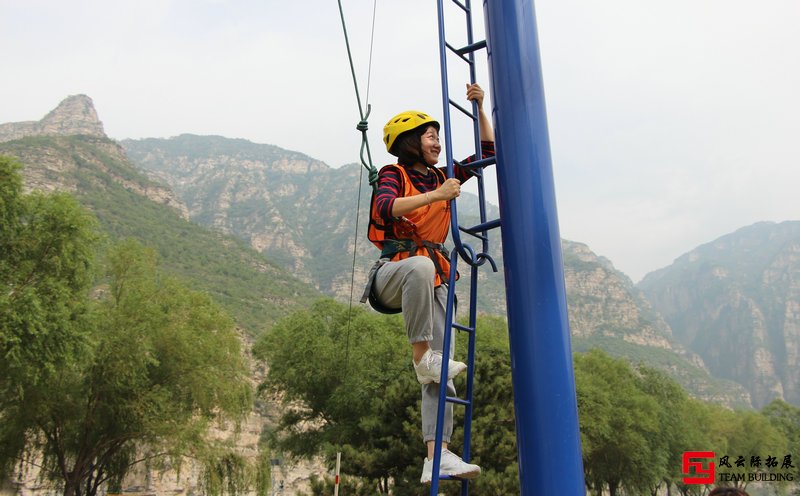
{"x":349,"y":387}
{"x":47,"y":243}
{"x":95,"y":383}
{"x":344,"y":389}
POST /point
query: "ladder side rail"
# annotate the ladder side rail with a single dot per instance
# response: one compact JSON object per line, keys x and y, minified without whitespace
{"x":451,"y":289}
{"x":466,"y":253}
{"x":440,"y":411}
{"x":473,"y":293}
{"x":469,"y":50}
{"x":468,"y":408}
{"x":459,"y":250}
{"x":476,"y":129}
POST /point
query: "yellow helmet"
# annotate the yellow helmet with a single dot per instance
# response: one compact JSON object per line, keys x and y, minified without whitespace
{"x":403,"y":122}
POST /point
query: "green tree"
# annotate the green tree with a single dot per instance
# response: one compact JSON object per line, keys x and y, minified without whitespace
{"x":706,"y":429}
{"x":159,"y":365}
{"x":752,"y":434}
{"x":618,"y":423}
{"x":46,"y":248}
{"x":682,"y":427}
{"x":347,"y":386}
{"x":494,"y":441}
{"x":786,"y":418}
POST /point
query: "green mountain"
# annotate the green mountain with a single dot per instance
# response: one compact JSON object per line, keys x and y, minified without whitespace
{"x":607,"y":311}
{"x":294,"y":209}
{"x":736,"y":303}
{"x":302,"y":213}
{"x":95,"y":169}
{"x":240,"y":219}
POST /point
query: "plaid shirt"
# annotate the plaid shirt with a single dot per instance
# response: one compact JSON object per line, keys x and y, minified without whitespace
{"x":389,"y":187}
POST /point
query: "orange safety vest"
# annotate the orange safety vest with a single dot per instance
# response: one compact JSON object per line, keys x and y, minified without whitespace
{"x":432,"y":226}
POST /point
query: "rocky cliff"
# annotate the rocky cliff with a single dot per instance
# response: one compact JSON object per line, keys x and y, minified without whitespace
{"x":74,"y":115}
{"x":607,"y":311}
{"x":280,"y":202}
{"x":604,"y":302}
{"x":58,"y":157}
{"x":736,"y":302}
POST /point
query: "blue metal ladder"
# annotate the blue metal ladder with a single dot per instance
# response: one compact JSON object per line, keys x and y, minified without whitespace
{"x":475,"y":259}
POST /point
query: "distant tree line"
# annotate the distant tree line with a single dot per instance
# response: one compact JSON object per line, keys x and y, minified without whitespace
{"x":347,"y":384}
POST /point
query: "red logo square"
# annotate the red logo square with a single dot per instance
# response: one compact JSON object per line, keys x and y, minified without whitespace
{"x":700,"y":474}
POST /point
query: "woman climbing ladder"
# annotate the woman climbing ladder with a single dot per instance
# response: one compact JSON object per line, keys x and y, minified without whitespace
{"x":409,"y":222}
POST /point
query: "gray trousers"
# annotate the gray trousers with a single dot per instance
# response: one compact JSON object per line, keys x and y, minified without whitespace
{"x":408,"y":284}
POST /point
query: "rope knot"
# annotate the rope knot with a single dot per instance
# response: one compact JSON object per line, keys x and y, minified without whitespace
{"x":373,"y":176}
{"x":362,"y":126}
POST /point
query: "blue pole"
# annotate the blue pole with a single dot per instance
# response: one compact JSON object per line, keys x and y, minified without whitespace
{"x":548,"y":436}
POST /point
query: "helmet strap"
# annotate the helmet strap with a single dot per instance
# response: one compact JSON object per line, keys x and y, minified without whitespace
{"x":425,"y":162}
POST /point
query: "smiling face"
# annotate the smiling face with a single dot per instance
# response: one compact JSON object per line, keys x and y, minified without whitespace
{"x":430,"y":147}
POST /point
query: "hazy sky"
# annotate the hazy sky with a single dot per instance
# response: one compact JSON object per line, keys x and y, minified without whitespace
{"x":671,"y":123}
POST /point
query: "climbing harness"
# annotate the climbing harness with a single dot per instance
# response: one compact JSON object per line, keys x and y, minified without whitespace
{"x":408,"y":244}
{"x":422,"y":232}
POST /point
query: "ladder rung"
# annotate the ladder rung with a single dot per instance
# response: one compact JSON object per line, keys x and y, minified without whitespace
{"x":479,"y":236}
{"x":463,"y":7}
{"x":462,"y":109}
{"x":451,"y":478}
{"x":479,"y":164}
{"x":455,"y":51}
{"x":492,"y":224}
{"x":463,"y":327}
{"x":453,"y":399}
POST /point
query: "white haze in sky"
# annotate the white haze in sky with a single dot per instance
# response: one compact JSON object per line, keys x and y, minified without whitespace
{"x":671,"y":123}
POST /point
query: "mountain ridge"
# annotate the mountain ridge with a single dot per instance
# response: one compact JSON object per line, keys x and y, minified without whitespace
{"x":74,"y":115}
{"x":736,"y":302}
{"x":239,"y":191}
{"x":300,"y":213}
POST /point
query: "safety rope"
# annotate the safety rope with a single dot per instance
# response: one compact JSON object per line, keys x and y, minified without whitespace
{"x":362,"y":126}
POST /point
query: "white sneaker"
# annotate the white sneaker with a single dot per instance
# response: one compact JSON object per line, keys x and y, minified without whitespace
{"x":452,"y":465}
{"x":429,"y":368}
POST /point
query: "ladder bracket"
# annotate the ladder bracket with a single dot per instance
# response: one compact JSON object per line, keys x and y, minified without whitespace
{"x":471,"y":48}
{"x":486,"y":226}
{"x":479,"y":164}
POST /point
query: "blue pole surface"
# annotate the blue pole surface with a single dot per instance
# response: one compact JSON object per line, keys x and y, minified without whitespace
{"x":548,"y":436}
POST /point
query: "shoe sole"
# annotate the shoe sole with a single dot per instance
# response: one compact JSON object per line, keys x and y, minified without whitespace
{"x":469,"y":475}
{"x":460,"y":367}
{"x":466,"y":475}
